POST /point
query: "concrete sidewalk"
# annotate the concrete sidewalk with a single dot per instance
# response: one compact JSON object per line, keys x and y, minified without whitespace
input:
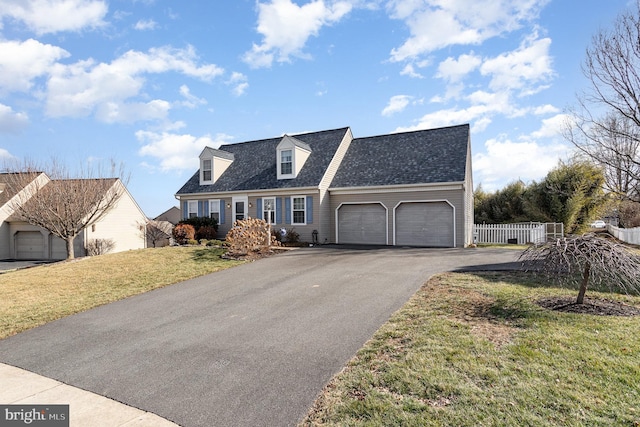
{"x":22,"y":387}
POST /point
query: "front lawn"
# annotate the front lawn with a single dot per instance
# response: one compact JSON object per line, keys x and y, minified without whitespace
{"x":37,"y":295}
{"x":477,"y":350}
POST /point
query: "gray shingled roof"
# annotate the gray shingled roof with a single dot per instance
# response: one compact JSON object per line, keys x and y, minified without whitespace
{"x":427,"y":156}
{"x":254,"y":165}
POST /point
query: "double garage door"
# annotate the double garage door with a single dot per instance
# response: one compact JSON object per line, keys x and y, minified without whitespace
{"x":30,"y":246}
{"x":429,"y":224}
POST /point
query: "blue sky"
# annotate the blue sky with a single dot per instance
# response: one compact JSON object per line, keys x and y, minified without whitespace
{"x":150,"y":83}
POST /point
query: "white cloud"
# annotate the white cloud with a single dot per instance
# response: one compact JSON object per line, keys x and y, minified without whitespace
{"x":510,"y":75}
{"x":5,"y":155}
{"x":52,"y":16}
{"x":454,"y":70}
{"x":552,"y":127}
{"x":506,"y":161}
{"x":85,"y":87}
{"x":396,"y":104}
{"x":22,"y":62}
{"x":522,"y":68}
{"x":286,"y":27}
{"x":436,"y":24}
{"x":190,"y":100}
{"x":11,"y":121}
{"x":122,"y":112}
{"x":145,"y":25}
{"x":239,"y":83}
{"x":177,"y":151}
{"x":408,"y":70}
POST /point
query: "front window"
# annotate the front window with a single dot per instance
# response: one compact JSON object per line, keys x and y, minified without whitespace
{"x":269,"y":210}
{"x":192,"y":212}
{"x":299,"y":213}
{"x":206,"y":170}
{"x":214,"y":210}
{"x":286,"y":162}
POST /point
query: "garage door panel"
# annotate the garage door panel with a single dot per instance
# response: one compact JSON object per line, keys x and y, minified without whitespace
{"x":362,"y":224}
{"x":58,"y":248}
{"x":424,"y":224}
{"x":29,"y":245}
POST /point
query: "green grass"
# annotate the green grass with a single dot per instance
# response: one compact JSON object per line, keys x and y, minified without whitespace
{"x":476,"y":350}
{"x":37,"y":295}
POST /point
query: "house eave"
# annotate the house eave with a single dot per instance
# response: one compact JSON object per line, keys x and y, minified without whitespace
{"x":270,"y":191}
{"x":399,"y":188}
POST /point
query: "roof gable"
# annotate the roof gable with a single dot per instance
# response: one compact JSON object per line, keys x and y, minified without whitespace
{"x":426,"y":156}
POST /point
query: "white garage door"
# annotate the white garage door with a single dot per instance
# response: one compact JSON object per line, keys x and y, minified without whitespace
{"x":424,"y":224}
{"x":362,"y":224}
{"x":29,"y":245}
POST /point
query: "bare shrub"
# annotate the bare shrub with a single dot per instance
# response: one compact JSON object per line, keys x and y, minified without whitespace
{"x":100,"y":246}
{"x":250,"y":235}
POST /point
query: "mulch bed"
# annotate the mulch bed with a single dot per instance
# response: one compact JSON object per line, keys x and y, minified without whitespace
{"x":597,"y":307}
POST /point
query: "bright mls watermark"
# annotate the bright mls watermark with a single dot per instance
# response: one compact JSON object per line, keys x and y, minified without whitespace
{"x":34,"y":415}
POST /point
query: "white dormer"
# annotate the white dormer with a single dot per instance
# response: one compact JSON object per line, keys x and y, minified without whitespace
{"x":291,"y":154}
{"x":213,"y":163}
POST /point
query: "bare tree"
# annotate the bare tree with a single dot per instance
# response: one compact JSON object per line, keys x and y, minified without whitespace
{"x":63,"y":203}
{"x":581,"y":260}
{"x":156,"y":231}
{"x":606,"y":125}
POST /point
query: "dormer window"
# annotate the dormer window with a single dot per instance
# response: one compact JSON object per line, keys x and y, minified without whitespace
{"x":291,"y":156}
{"x":206,"y":170}
{"x":213,"y":163}
{"x":286,"y":162}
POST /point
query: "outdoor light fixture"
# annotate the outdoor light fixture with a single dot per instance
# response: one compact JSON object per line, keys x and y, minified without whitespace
{"x":228,"y":205}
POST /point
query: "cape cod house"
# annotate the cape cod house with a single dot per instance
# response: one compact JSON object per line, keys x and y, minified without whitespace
{"x":408,"y":189}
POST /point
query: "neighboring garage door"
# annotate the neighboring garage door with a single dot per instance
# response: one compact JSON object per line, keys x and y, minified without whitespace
{"x":29,"y":245}
{"x":58,"y":247}
{"x":424,"y":224}
{"x":362,"y":224}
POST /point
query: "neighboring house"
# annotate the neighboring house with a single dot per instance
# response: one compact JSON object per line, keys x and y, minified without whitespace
{"x":411,"y":188}
{"x":171,"y":215}
{"x":20,"y":240}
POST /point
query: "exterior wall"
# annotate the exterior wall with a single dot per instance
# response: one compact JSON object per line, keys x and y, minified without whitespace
{"x":305,"y":231}
{"x":390,"y":198}
{"x":122,"y":224}
{"x":468,"y":199}
{"x":325,"y":230}
{"x":4,"y":241}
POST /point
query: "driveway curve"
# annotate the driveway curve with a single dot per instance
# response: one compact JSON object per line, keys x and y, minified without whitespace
{"x":248,"y":346}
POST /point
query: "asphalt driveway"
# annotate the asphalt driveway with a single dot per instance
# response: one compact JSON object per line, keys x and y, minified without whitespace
{"x":248,"y":346}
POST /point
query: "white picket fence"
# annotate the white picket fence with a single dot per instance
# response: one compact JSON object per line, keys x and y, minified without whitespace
{"x":629,"y":235}
{"x":530,"y":232}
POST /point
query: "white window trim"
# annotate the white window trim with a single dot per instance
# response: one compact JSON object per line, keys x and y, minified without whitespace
{"x":190,"y":204}
{"x":202,"y":180}
{"x":304,"y":209}
{"x":214,"y":203}
{"x":293,"y":163}
{"x":275,"y":209}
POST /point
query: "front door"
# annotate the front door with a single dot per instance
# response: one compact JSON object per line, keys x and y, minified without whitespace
{"x":240,"y":207}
